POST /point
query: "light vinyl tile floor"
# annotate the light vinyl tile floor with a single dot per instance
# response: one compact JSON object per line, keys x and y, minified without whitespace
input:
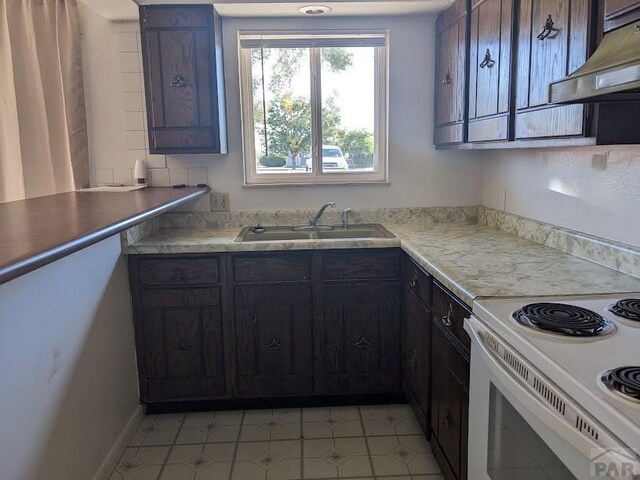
{"x":364,"y":443}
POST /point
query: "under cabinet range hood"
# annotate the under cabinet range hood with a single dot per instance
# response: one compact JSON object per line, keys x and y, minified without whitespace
{"x":611,"y":72}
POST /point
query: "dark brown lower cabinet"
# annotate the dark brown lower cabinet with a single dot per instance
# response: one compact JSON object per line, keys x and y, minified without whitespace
{"x":183,"y":353}
{"x":274,"y":340}
{"x":359,"y":341}
{"x":304,"y":324}
{"x":417,"y":356}
{"x":449,"y":402}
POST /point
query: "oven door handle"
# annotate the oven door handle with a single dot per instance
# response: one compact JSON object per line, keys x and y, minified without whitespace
{"x":585,"y":445}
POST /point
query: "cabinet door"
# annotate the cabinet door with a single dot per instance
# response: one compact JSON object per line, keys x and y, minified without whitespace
{"x":490,"y":70}
{"x":449,"y":402}
{"x":417,"y":326}
{"x":451,"y":54}
{"x":183,"y":78}
{"x":183,"y":353}
{"x":548,"y":52}
{"x":274,"y":340}
{"x":359,"y":347}
{"x":618,"y":13}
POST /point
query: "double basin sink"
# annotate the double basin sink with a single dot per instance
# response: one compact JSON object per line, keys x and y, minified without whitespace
{"x":317,"y":232}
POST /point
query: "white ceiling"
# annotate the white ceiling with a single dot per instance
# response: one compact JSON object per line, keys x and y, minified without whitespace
{"x":128,"y":9}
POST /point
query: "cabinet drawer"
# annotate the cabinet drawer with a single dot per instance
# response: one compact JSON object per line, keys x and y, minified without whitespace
{"x":180,"y":297}
{"x":417,"y":280}
{"x":449,"y":312}
{"x":179,"y":271}
{"x":361,"y":265}
{"x":270,"y":268}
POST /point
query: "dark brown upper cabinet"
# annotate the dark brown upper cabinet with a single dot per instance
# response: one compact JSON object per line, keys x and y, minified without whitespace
{"x":490,"y":70}
{"x":515,"y":50}
{"x":183,"y":76}
{"x":451,"y":78}
{"x":618,"y":13}
{"x":553,"y":42}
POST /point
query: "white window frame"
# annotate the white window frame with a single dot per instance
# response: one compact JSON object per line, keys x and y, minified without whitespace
{"x":317,"y":177}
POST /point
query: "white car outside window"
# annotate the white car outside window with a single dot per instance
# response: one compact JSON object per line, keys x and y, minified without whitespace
{"x":332,"y":158}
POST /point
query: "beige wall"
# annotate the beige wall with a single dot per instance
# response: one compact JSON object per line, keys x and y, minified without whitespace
{"x":68,"y":382}
{"x":419,"y":175}
{"x":591,"y":189}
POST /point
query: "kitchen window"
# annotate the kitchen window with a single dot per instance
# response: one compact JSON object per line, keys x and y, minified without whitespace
{"x":314,"y":107}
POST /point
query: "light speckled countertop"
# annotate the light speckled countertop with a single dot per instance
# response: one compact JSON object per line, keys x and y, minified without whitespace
{"x":470,"y":259}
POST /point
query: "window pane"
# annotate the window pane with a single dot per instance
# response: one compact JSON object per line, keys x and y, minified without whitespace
{"x":282,"y":110}
{"x":348,"y":109}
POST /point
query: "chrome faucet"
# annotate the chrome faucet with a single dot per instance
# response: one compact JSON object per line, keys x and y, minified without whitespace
{"x":314,"y":221}
{"x":345,"y":217}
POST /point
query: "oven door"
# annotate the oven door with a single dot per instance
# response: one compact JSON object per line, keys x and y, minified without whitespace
{"x":513,"y":432}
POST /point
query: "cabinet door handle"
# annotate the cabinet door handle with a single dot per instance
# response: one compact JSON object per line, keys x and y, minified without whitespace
{"x":548,"y":29}
{"x":446,"y":319}
{"x":179,"y":81}
{"x":274,"y":344}
{"x":488,"y":61}
{"x":447,"y":420}
{"x":447,"y":80}
{"x":179,"y":275}
{"x":184,"y":347}
{"x":362,"y":342}
{"x":414,"y":281}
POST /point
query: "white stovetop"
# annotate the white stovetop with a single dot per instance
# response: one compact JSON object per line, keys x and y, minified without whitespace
{"x":576,"y":364}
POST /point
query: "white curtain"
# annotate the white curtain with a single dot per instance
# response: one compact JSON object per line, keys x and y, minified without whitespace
{"x":43,"y":134}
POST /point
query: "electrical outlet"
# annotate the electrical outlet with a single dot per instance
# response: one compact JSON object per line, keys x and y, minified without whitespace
{"x":219,"y":202}
{"x":501,"y":200}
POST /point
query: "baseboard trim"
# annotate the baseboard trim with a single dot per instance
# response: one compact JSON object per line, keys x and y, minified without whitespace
{"x":274,"y":402}
{"x":111,"y":460}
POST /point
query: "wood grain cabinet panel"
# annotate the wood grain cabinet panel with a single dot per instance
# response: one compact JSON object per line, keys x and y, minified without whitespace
{"x":274,"y":340}
{"x":358,"y":341}
{"x":449,"y":404}
{"x":490,"y":70}
{"x":553,"y":42}
{"x":450,"y":81}
{"x":417,"y":355}
{"x":182,"y":56}
{"x":182,"y":353}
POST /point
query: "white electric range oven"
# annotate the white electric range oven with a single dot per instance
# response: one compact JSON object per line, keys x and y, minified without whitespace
{"x":555,"y":389}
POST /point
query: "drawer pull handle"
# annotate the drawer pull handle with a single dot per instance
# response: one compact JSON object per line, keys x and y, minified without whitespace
{"x":548,"y":29}
{"x":447,"y":420}
{"x":179,"y":275}
{"x":362,"y":342}
{"x":274,"y":344}
{"x":183,"y":347}
{"x":179,"y":81}
{"x":446,"y":319}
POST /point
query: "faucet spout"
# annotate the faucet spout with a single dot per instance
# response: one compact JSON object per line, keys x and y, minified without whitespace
{"x":314,"y":221}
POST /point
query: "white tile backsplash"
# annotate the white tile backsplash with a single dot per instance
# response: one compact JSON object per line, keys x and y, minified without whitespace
{"x":156,"y":161}
{"x":136,"y":140}
{"x":159,"y":177}
{"x":197,"y":175}
{"x":123,"y":176}
{"x":104,"y":176}
{"x":130,"y":62}
{"x":131,"y":82}
{"x":128,"y":42}
{"x":135,"y":121}
{"x":178,"y":176}
{"x":133,"y":102}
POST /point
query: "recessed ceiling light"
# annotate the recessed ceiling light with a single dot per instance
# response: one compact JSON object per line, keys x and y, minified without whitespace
{"x":314,"y":9}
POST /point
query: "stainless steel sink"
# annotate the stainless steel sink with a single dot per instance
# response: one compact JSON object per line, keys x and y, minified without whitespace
{"x":321,"y":232}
